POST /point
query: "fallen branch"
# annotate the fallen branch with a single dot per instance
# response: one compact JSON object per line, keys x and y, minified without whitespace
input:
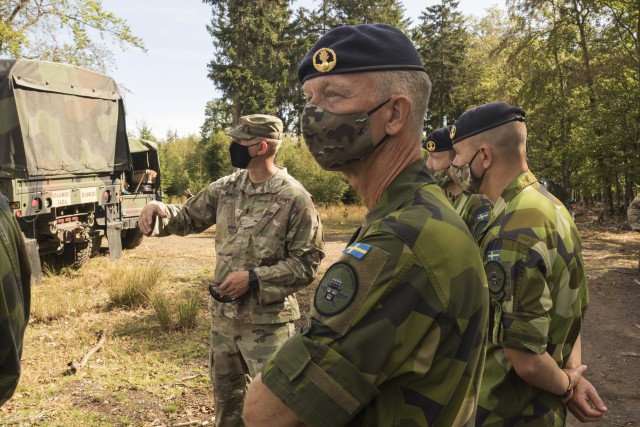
{"x":75,"y":367}
{"x":629,"y":354}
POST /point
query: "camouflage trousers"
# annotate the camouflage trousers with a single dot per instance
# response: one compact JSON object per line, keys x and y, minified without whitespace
{"x":237,"y":353}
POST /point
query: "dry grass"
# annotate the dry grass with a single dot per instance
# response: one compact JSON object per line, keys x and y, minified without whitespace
{"x":131,"y":285}
{"x":341,"y":218}
{"x":68,"y":292}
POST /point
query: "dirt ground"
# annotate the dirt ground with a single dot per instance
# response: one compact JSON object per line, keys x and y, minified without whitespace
{"x":611,"y":343}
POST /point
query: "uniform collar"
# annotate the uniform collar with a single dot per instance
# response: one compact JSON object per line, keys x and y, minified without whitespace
{"x":402,"y":188}
{"x":525,"y":180}
{"x":272,"y":185}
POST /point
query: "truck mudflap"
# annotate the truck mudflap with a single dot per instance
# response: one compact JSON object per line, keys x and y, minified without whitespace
{"x":114,"y":230}
{"x":34,"y":259}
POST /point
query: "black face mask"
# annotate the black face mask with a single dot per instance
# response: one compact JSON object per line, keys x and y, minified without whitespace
{"x":240,"y":156}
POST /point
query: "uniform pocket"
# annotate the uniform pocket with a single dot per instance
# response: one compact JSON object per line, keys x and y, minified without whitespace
{"x":267,"y":216}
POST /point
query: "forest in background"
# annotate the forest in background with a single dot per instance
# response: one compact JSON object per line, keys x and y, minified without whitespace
{"x":573,"y":65}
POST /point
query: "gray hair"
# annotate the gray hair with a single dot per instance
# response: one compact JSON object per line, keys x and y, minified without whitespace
{"x":415,"y":85}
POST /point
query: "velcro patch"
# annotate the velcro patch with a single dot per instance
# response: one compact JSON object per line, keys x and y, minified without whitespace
{"x":364,"y":273}
{"x":497,"y":279}
{"x":336,"y":290}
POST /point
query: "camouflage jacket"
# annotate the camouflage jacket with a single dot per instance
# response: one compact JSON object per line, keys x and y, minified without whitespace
{"x":538,"y":289}
{"x":272,"y":228}
{"x":633,"y":213}
{"x":475,"y":210}
{"x":15,"y":299}
{"x":398,"y":328}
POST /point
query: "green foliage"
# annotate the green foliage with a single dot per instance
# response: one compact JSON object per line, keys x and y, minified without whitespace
{"x":441,"y":39}
{"x":325,"y":187}
{"x":215,"y":151}
{"x":249,"y":64}
{"x":35,"y":29}
{"x":183,"y":166}
{"x":349,"y":12}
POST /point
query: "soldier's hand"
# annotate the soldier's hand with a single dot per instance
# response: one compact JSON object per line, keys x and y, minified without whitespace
{"x":585,"y":403}
{"x":235,"y":284}
{"x":147,"y":217}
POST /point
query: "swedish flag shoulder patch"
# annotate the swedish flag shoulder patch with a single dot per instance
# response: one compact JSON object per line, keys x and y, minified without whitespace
{"x":493,"y":255}
{"x":357,"y":250}
{"x":484,"y":216}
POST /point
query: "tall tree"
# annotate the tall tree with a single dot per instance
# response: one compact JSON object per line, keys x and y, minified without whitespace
{"x":250,"y":64}
{"x":70,"y":31}
{"x":349,"y":12}
{"x":441,"y":38}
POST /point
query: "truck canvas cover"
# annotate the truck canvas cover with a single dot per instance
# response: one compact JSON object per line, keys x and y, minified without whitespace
{"x":58,"y":120}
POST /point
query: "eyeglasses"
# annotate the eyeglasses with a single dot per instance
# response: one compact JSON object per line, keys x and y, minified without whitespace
{"x":217,"y":295}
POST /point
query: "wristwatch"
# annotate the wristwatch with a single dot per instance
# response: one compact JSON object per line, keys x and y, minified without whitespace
{"x":253,"y":280}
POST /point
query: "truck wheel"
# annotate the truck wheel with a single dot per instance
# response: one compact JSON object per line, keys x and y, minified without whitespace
{"x":132,"y":238}
{"x":75,"y":255}
{"x":96,"y":243}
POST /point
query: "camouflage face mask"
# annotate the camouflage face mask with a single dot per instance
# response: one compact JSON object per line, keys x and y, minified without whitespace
{"x":442,"y":177}
{"x":461,"y":176}
{"x":334,"y":139}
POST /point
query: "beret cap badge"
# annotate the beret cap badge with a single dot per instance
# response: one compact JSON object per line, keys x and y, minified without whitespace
{"x":327,"y":59}
{"x":431,"y":146}
{"x":453,"y":132}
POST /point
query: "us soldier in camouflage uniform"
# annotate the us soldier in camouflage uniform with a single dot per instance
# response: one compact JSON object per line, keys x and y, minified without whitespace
{"x":475,"y":209}
{"x":268,"y":245}
{"x":537,"y":283}
{"x":398,"y":324}
{"x":15,"y":299}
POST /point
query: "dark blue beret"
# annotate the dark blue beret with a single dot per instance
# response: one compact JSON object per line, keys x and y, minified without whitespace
{"x":438,"y":140}
{"x":483,"y":118}
{"x":359,"y":48}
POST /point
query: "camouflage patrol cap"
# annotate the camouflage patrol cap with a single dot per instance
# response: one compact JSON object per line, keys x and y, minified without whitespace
{"x":438,"y":140}
{"x":257,"y":126}
{"x":360,"y":48}
{"x":483,"y":118}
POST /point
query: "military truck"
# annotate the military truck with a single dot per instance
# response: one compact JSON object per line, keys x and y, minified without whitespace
{"x":65,"y":160}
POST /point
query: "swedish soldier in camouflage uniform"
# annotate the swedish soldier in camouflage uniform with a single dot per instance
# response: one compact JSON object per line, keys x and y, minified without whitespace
{"x":15,"y":299}
{"x":269,"y":244}
{"x":398,"y":323}
{"x":475,"y":209}
{"x":537,"y":283}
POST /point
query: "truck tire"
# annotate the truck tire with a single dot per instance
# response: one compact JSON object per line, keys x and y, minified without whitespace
{"x":75,"y":255}
{"x":96,"y":244}
{"x":132,"y":238}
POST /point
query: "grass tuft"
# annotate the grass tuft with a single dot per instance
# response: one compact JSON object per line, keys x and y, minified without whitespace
{"x":188,"y":309}
{"x":176,"y":313}
{"x":131,"y":285}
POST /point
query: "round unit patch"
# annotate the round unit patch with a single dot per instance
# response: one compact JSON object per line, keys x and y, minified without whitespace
{"x":496,"y":278}
{"x":336,"y":290}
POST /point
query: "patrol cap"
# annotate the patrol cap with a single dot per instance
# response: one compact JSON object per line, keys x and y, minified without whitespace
{"x":438,"y":140}
{"x":257,"y":126}
{"x":360,"y":48}
{"x":483,"y":118}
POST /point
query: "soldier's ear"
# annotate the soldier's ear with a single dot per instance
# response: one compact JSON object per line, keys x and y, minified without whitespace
{"x":398,"y":114}
{"x":486,"y":156}
{"x":264,"y":146}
